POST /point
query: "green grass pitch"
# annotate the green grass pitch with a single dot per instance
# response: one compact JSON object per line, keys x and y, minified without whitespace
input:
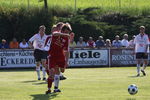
{"x":81,"y":84}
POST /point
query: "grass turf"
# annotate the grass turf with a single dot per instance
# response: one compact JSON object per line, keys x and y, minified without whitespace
{"x":81,"y":84}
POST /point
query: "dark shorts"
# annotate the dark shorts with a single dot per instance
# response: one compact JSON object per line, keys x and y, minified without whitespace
{"x":141,"y":56}
{"x":39,"y":55}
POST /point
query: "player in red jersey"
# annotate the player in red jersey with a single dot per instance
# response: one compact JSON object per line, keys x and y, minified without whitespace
{"x":58,"y":59}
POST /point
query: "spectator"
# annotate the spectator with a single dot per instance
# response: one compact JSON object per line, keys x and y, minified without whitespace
{"x":72,"y":44}
{"x":23,"y":44}
{"x":81,"y":43}
{"x":116,"y":43}
{"x":4,"y":44}
{"x":14,"y":44}
{"x":131,"y":42}
{"x":90,"y":43}
{"x":100,"y":42}
{"x":125,"y":42}
{"x":108,"y":43}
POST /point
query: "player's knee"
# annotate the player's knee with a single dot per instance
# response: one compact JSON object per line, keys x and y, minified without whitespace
{"x":37,"y":64}
{"x":62,"y":70}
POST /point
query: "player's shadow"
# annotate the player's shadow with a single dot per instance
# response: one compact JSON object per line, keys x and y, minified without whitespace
{"x":135,"y":76}
{"x":31,"y":81}
{"x":44,"y":96}
{"x":40,"y":83}
{"x":131,"y":99}
{"x":35,"y":82}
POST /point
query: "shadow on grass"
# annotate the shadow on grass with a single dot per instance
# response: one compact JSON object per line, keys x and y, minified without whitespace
{"x":40,"y":83}
{"x":131,"y":99}
{"x":135,"y":76}
{"x":16,"y":70}
{"x":44,"y":96}
{"x":35,"y":82}
{"x":31,"y":81}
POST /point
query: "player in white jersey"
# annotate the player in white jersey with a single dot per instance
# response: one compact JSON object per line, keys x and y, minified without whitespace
{"x":141,"y":47}
{"x":40,"y":54}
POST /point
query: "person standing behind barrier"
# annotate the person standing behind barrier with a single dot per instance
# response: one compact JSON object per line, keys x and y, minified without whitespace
{"x":4,"y":44}
{"x":37,"y":42}
{"x":117,"y":43}
{"x":108,"y":43}
{"x":14,"y":44}
{"x":131,"y":42}
{"x":23,"y":44}
{"x":81,"y":44}
{"x":141,"y":48}
{"x":124,"y":41}
{"x":100,"y":42}
{"x":90,"y":43}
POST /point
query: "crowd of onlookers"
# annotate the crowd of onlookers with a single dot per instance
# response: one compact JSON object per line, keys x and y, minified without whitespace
{"x":100,"y":42}
{"x":14,"y":44}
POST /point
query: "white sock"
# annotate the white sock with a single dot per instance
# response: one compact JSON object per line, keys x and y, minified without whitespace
{"x":60,"y":74}
{"x":138,"y":68}
{"x":56,"y":80}
{"x":144,"y":66}
{"x":38,"y":71}
{"x":44,"y":72}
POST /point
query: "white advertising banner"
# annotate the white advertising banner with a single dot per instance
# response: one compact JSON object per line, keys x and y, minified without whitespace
{"x":16,"y":58}
{"x":24,"y":58}
{"x":88,"y":58}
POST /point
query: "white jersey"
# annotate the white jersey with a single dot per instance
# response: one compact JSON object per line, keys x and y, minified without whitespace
{"x":141,"y":42}
{"x":38,"y":41}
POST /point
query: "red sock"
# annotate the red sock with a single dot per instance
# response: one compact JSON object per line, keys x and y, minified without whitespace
{"x":50,"y":81}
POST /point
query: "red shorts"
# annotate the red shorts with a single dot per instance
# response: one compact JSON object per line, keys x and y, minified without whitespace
{"x":52,"y":63}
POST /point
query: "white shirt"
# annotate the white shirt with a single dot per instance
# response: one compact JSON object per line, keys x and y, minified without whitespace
{"x":48,"y":43}
{"x":141,"y":43}
{"x":21,"y":45}
{"x":38,"y":41}
{"x":83,"y":44}
{"x":125,"y":43}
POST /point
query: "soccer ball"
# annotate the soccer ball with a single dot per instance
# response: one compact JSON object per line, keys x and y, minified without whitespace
{"x":132,"y":89}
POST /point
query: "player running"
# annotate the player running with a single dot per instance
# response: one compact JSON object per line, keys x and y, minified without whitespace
{"x":58,"y":59}
{"x":37,"y":42}
{"x":141,"y":42}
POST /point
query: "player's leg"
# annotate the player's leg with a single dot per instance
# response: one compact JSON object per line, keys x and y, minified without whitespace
{"x":44,"y":68}
{"x":145,"y":63}
{"x":62,"y":77}
{"x":37,"y":57}
{"x":138,"y":61}
{"x":57,"y":79}
{"x":38,"y":70}
{"x":50,"y":80}
{"x":44,"y":64}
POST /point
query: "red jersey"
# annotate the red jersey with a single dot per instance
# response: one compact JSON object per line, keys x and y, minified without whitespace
{"x":58,"y":45}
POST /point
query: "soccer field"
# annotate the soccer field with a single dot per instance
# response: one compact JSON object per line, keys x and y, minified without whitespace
{"x":81,"y":84}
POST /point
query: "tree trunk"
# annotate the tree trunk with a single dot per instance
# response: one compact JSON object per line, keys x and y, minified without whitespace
{"x":45,"y":4}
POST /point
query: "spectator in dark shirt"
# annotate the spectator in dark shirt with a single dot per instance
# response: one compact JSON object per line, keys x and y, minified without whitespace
{"x":100,"y":42}
{"x":4,"y":44}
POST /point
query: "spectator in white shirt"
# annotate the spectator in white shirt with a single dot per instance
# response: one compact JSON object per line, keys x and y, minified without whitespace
{"x":125,"y":42}
{"x":23,"y":44}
